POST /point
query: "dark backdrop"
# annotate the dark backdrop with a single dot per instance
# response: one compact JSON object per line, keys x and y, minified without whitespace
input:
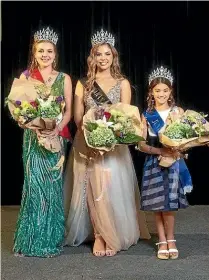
{"x":147,"y":33}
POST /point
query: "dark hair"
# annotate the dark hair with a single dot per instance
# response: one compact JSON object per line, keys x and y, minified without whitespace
{"x":156,"y":81}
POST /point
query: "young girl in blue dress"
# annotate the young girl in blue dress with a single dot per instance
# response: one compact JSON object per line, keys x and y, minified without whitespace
{"x":163,"y":189}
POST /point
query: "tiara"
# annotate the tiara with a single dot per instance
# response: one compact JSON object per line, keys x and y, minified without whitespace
{"x":102,"y":37}
{"x":161,"y":73}
{"x":46,"y":34}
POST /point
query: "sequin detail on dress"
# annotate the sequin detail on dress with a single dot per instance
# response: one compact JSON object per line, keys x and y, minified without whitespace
{"x":113,"y":95}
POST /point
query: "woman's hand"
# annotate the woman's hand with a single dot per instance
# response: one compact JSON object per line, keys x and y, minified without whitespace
{"x":22,"y":125}
{"x":38,"y":133}
{"x":50,"y":133}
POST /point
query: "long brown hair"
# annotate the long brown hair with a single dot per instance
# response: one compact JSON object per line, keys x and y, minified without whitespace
{"x":33,"y":63}
{"x":150,"y":99}
{"x":92,"y":68}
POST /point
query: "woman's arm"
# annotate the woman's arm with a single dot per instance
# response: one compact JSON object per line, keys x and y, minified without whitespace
{"x":79,"y":105}
{"x":68,"y":103}
{"x":23,"y":77}
{"x":125,"y":92}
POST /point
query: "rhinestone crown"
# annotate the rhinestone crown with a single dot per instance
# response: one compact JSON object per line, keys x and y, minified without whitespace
{"x":102,"y":37}
{"x":161,"y":72}
{"x":46,"y":34}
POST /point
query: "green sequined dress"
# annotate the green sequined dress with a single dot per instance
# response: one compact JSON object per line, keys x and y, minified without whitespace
{"x":40,"y":226}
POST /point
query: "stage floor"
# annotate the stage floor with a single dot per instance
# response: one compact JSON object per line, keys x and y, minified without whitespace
{"x":138,"y":263}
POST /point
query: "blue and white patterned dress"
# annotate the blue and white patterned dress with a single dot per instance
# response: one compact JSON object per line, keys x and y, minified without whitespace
{"x":162,"y":188}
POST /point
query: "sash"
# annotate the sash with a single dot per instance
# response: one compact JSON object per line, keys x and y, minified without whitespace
{"x":154,"y":119}
{"x":97,"y":93}
{"x":156,"y":123}
{"x":35,"y":74}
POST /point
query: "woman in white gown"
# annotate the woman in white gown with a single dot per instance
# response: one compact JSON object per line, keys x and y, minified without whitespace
{"x":102,"y":195}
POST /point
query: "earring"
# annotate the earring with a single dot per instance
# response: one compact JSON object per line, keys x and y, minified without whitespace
{"x":153,"y":100}
{"x":36,"y":63}
{"x":54,"y":64}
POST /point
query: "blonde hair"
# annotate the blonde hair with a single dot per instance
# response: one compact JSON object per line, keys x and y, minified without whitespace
{"x":92,"y":68}
{"x":33,"y":63}
{"x":150,"y":99}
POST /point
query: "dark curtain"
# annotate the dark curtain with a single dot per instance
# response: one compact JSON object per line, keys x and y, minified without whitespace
{"x":174,"y":34}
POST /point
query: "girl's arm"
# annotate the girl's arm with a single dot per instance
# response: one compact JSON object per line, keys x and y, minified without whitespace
{"x":143,"y":147}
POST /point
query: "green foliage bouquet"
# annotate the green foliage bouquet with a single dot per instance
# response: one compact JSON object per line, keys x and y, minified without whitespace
{"x":110,"y":125}
{"x":189,"y":130}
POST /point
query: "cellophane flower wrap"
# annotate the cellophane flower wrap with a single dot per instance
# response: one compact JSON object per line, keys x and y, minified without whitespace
{"x":32,"y":106}
{"x":110,"y":125}
{"x":189,"y":130}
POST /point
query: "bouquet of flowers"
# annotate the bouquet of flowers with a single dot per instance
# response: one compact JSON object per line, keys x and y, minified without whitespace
{"x":189,"y":130}
{"x":110,"y":125}
{"x":32,"y":107}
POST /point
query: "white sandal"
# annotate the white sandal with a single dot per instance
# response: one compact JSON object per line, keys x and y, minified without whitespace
{"x":171,"y":251}
{"x":162,"y":254}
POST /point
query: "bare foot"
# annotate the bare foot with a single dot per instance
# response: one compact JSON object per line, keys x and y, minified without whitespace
{"x":99,"y":246}
{"x":110,"y":252}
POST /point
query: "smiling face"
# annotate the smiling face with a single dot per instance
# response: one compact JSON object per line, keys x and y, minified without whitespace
{"x":44,"y":54}
{"x":103,"y":57}
{"x":161,"y":93}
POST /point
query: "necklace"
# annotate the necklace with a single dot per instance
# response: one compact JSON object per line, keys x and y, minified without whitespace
{"x":48,"y":80}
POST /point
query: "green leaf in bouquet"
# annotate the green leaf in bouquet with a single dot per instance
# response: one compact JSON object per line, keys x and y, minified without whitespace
{"x":129,"y":139}
{"x":91,"y":126}
{"x":111,"y":119}
{"x":6,"y":101}
{"x":189,"y":132}
{"x":204,"y":133}
{"x":116,"y":113}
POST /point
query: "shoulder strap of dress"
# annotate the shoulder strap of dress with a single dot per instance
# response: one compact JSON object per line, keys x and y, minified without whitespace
{"x":60,"y":75}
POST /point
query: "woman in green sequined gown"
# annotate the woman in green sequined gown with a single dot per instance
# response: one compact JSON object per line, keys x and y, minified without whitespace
{"x":40,"y":226}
